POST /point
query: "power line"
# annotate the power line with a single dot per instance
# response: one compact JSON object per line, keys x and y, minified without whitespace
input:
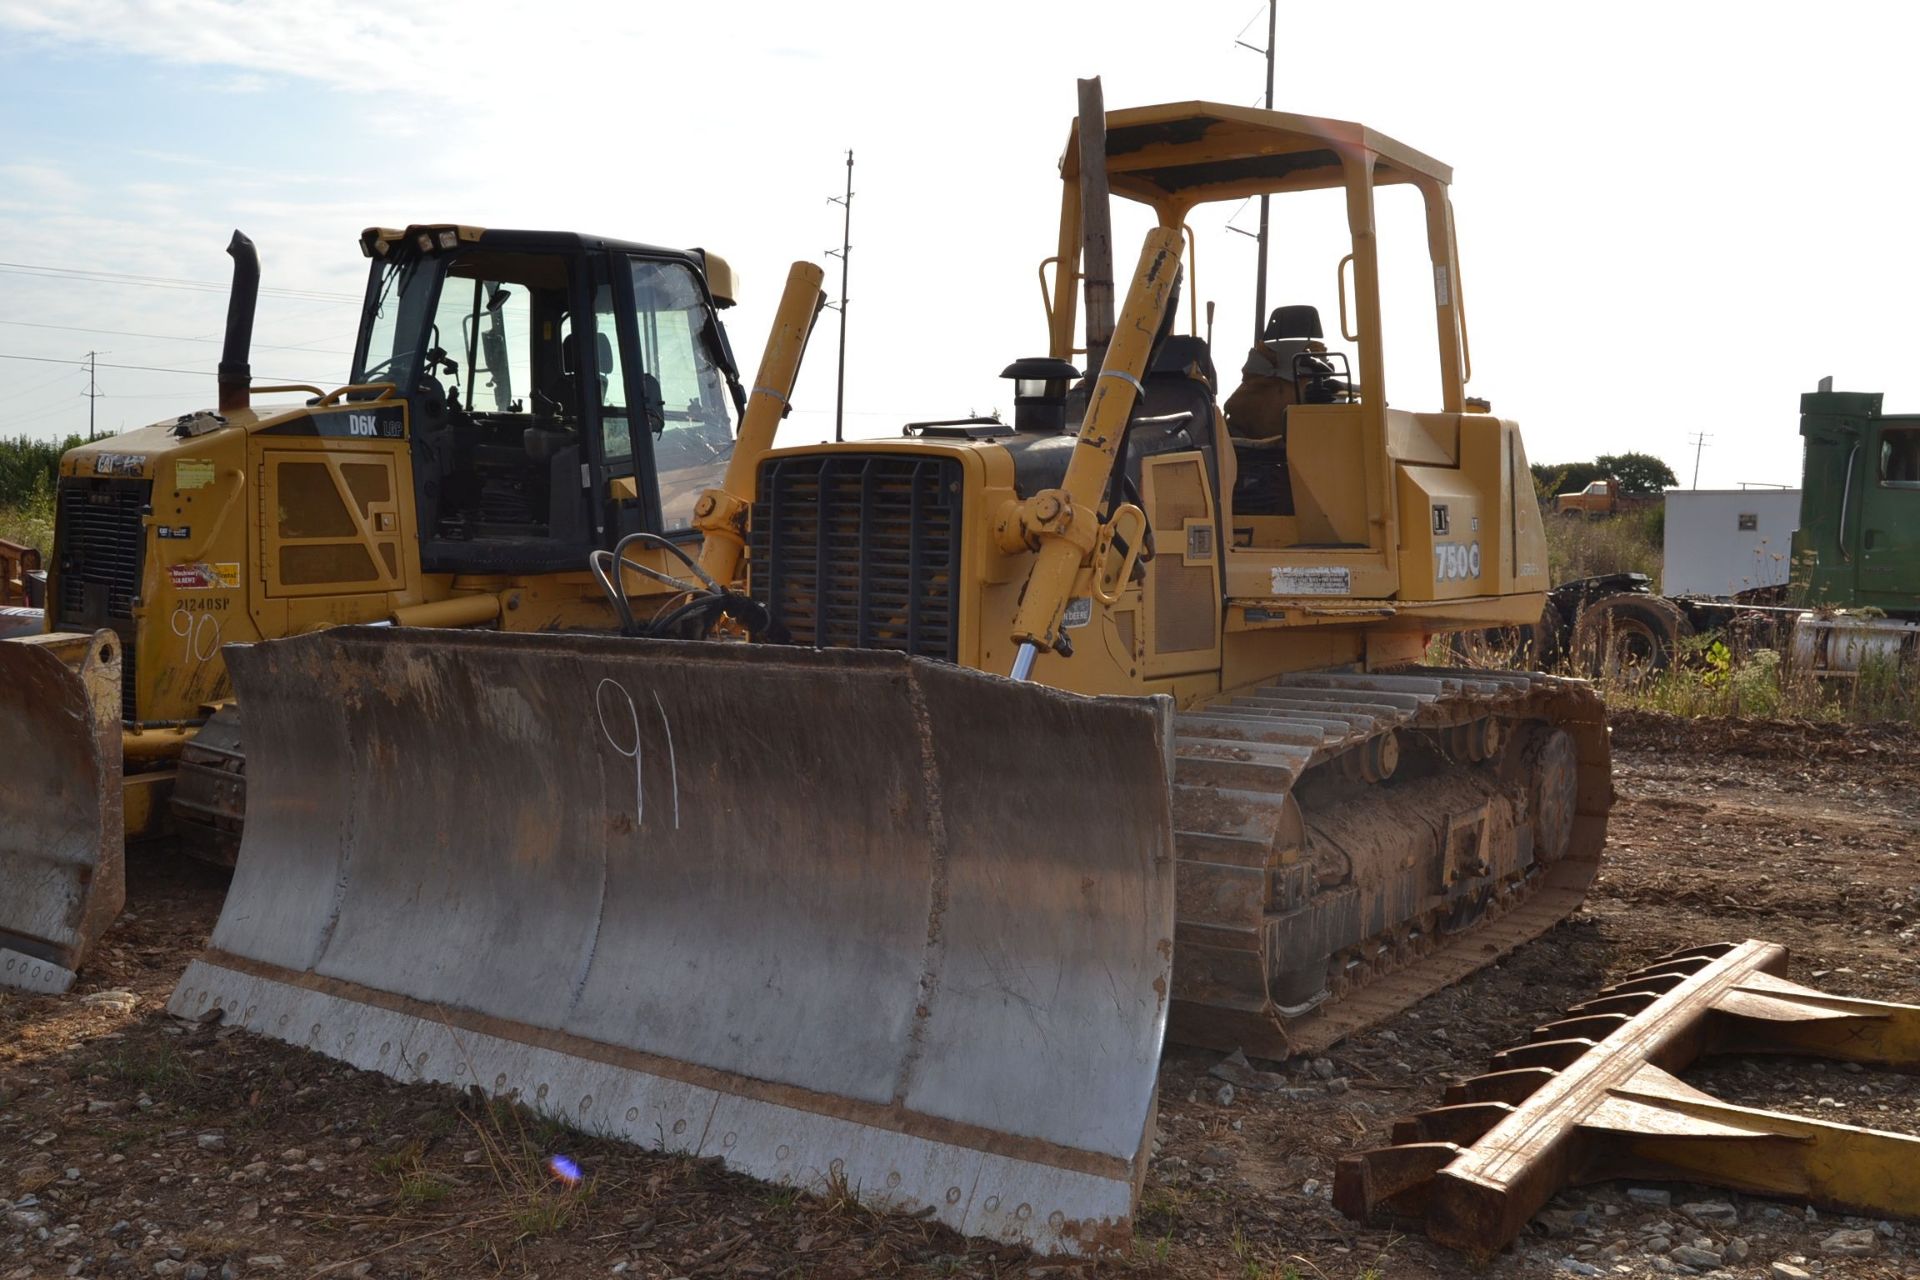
{"x":32,"y":387}
{"x":159,"y":337}
{"x":150,"y":368}
{"x":162,"y":282}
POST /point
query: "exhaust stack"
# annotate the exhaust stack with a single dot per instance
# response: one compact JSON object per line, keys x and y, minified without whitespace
{"x":235,"y":374}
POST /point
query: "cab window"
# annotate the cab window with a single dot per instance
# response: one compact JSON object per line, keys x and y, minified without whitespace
{"x":681,"y":391}
{"x":1900,"y":458}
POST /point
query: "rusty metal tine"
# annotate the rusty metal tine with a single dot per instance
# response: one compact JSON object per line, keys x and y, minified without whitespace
{"x":1657,"y":1126}
{"x":1686,"y":965}
{"x":1390,"y":1180}
{"x":1514,"y":1086}
{"x":1710,"y":950}
{"x":1658,"y":983}
{"x":1614,"y":1108}
{"x":1464,"y":1123}
{"x":1593,"y":1026}
{"x":1631,"y":1003}
{"x":1484,"y":1199}
{"x":1553,"y":1054}
{"x":1771,"y":1015}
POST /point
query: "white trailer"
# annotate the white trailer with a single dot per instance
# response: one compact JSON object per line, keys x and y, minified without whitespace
{"x":1723,"y":541}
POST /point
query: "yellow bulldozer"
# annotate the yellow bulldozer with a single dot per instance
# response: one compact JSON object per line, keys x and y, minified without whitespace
{"x":518,"y":400}
{"x":1039,"y":743}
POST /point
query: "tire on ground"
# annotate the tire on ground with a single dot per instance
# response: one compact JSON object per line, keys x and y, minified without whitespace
{"x":1627,"y":635}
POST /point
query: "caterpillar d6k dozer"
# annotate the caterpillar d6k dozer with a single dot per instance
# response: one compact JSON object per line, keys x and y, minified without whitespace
{"x":1061,"y":736}
{"x":498,"y":427}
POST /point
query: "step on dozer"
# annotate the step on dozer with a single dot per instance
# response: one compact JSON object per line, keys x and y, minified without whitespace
{"x":60,"y":841}
{"x":948,"y":996}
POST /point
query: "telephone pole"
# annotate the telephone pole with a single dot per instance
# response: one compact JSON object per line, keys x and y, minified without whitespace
{"x":92,"y":393}
{"x":845,"y":251}
{"x":1260,"y":277}
{"x":1698,"y":442}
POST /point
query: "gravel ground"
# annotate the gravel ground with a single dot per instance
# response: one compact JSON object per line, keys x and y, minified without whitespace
{"x":133,"y":1145}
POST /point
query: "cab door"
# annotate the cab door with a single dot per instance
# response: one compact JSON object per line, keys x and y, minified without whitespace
{"x":1890,"y":518}
{"x":675,"y":430}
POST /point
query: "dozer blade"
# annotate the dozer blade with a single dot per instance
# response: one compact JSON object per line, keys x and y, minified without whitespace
{"x":844,"y":919}
{"x":61,"y":877}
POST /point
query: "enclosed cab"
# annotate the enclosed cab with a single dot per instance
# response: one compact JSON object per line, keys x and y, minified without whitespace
{"x":517,"y":400}
{"x":1858,"y":544}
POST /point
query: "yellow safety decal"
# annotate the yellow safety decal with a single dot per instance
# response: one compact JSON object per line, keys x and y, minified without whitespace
{"x":192,"y":473}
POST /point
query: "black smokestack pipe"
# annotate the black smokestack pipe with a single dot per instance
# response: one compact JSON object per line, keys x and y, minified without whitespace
{"x":235,"y":375}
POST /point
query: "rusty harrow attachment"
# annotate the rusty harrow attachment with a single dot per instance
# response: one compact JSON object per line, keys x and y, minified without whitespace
{"x":1596,"y":1096}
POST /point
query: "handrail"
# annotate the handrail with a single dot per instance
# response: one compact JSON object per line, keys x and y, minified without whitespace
{"x":1340,"y":287}
{"x":387,"y":390}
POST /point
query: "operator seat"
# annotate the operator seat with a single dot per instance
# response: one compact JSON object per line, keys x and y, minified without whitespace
{"x":1284,"y":368}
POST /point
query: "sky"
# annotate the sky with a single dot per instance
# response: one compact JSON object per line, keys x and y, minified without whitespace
{"x":1673,"y":218}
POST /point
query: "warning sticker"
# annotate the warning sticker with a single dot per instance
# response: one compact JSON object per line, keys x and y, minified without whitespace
{"x":1328,"y":580}
{"x":202,"y":576}
{"x":192,"y":473}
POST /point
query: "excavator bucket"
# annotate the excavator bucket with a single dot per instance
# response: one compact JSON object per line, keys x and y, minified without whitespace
{"x":61,"y":876}
{"x":848,"y":920}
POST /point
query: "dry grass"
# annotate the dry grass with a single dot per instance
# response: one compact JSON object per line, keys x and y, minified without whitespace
{"x":1581,"y":548}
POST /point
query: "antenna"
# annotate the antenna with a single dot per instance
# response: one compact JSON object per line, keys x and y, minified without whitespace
{"x":845,"y":250}
{"x":1260,"y":278}
{"x":1698,"y":442}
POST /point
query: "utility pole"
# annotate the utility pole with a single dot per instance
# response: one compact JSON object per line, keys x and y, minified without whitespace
{"x":846,"y":249}
{"x":1260,"y":278}
{"x":1698,"y":442}
{"x":92,"y":393}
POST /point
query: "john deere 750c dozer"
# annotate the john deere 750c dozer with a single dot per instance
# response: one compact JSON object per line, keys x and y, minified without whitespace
{"x":892,"y":900}
{"x":498,"y":428}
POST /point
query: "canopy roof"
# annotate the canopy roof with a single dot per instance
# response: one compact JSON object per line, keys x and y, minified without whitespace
{"x":1195,"y":152}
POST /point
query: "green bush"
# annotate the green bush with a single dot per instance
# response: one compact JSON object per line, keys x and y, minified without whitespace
{"x":25,"y":462}
{"x":30,"y":521}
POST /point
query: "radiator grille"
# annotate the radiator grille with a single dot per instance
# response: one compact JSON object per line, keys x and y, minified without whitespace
{"x":860,"y":551}
{"x":101,"y":543}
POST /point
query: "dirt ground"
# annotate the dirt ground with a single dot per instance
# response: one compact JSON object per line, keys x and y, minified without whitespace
{"x":132,"y":1144}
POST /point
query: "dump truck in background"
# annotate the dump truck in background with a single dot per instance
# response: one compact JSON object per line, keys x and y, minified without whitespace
{"x":1602,"y":498}
{"x":1040,"y":742}
{"x":497,"y":429}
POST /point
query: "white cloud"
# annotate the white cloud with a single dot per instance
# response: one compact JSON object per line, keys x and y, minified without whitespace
{"x":1671,"y":217}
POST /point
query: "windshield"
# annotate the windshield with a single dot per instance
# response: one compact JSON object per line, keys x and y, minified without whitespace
{"x":401,"y":290}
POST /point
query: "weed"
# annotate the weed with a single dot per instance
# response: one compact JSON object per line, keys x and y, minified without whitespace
{"x":154,"y":1066}
{"x":395,"y":1163}
{"x":542,"y":1200}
